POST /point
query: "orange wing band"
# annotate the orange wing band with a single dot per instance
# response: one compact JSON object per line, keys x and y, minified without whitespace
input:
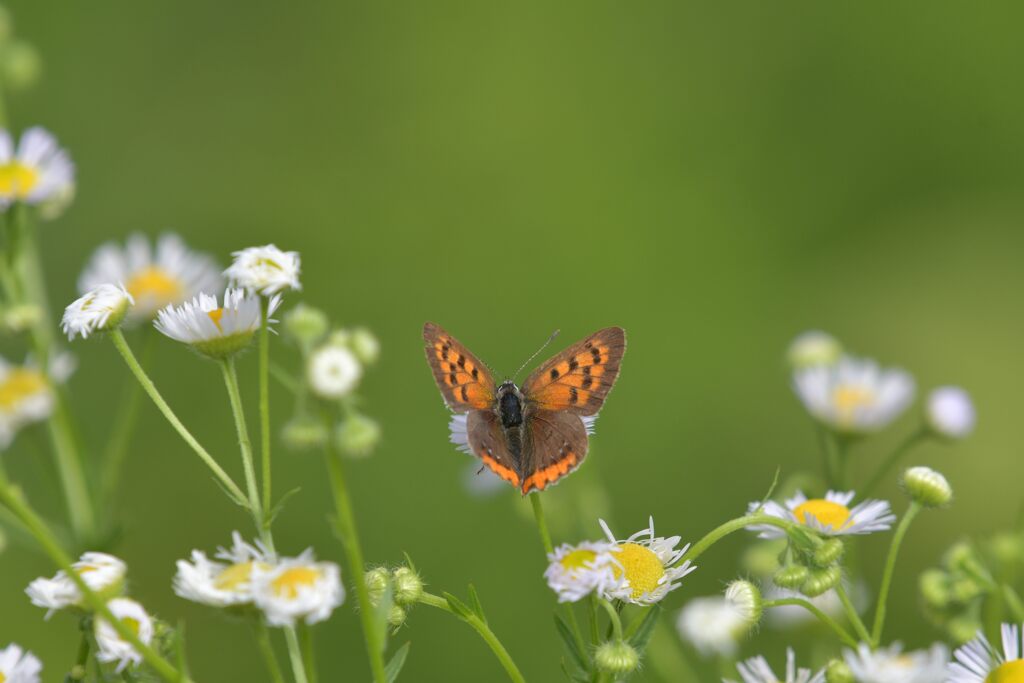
{"x":540,"y":479}
{"x":502,"y":471}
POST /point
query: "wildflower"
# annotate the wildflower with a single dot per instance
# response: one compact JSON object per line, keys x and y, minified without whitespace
{"x":98,"y":310}
{"x":333,"y":372}
{"x":617,"y":658}
{"x":26,"y":393}
{"x":854,"y":396}
{"x":927,"y":487}
{"x":648,"y":565}
{"x":979,"y":662}
{"x":950,"y":413}
{"x":170,"y":273}
{"x":34,"y":172}
{"x":746,"y":598}
{"x":265,"y":270}
{"x":303,"y":432}
{"x":113,"y":648}
{"x":365,"y":345}
{"x":377,"y":582}
{"x":224,"y":583}
{"x":102,"y":573}
{"x":358,"y":435}
{"x":297,"y":589}
{"x":713,"y":625}
{"x":214,"y":331}
{"x":892,"y":665}
{"x":756,"y":670}
{"x":830,"y":515}
{"x":408,"y":586}
{"x":812,"y":348}
{"x":19,"y":666}
{"x":575,"y":572}
{"x":305,"y":324}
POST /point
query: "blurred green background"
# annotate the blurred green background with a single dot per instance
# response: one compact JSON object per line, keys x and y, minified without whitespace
{"x":714,"y":177}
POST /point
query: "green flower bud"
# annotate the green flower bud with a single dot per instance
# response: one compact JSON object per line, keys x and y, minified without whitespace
{"x":829,"y":552}
{"x":813,"y":348}
{"x":927,"y":487}
{"x":340,"y":338}
{"x":377,"y":580}
{"x":365,"y":345}
{"x":791,"y":577}
{"x":303,"y":433}
{"x":821,"y":581}
{"x":934,"y":587}
{"x":617,"y":658}
{"x":963,"y":628}
{"x":1007,"y":548}
{"x":21,"y":318}
{"x":408,"y":586}
{"x":358,"y":435}
{"x":745,"y":597}
{"x":396,"y":616}
{"x":838,"y":672}
{"x":960,"y":556}
{"x":21,"y":65}
{"x":964,"y":589}
{"x":305,"y":324}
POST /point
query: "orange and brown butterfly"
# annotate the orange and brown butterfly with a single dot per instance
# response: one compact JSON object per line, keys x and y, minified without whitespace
{"x":531,"y":436}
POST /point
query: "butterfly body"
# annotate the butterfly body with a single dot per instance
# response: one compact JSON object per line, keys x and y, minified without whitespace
{"x":531,"y":436}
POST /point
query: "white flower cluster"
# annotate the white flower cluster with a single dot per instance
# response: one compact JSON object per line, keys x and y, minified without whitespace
{"x":26,"y":393}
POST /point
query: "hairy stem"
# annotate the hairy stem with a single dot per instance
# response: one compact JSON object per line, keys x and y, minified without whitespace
{"x":843,"y":634}
{"x":890,"y":566}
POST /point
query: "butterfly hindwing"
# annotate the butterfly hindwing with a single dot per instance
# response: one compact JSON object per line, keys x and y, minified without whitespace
{"x":578,"y":379}
{"x":556,"y":445}
{"x":464,"y":381}
{"x":487,"y":441}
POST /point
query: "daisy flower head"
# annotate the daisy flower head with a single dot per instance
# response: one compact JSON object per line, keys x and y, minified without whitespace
{"x":950,"y":413}
{"x":893,"y":665}
{"x":112,"y":647}
{"x":333,"y":371}
{"x":155,"y":276}
{"x":712,"y":625}
{"x":854,"y":395}
{"x":297,"y":589}
{"x":26,"y":393}
{"x":215,"y":331}
{"x":979,"y":662}
{"x":757,"y":670}
{"x":34,"y":171}
{"x":102,"y":573}
{"x":576,"y":571}
{"x":222,"y":583}
{"x":98,"y":310}
{"x":265,"y":270}
{"x":648,"y":565}
{"x":831,"y":515}
{"x":19,"y":666}
{"x":812,"y":348}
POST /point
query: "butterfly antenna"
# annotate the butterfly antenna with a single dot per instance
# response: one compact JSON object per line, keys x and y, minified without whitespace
{"x":535,"y":353}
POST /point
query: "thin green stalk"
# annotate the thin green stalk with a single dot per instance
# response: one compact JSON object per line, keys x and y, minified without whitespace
{"x":238,"y":413}
{"x":1013,"y":602}
{"x":124,"y":426}
{"x":308,"y":655}
{"x":13,"y":500}
{"x":295,"y":654}
{"x":890,"y":566}
{"x":843,"y":634}
{"x":665,"y":656}
{"x":72,"y":476}
{"x":732,"y":526}
{"x":264,"y":379}
{"x":483,"y":630}
{"x":82,"y":658}
{"x":117,"y":337}
{"x":890,"y":461}
{"x":595,"y":631}
{"x":613,"y":615}
{"x":262,"y":634}
{"x":545,"y":539}
{"x":851,"y":614}
{"x":346,"y":525}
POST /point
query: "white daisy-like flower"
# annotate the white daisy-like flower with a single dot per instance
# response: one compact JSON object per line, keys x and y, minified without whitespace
{"x":170,"y":273}
{"x":101,"y":572}
{"x":217,"y":331}
{"x":221,"y":583}
{"x":333,"y":371}
{"x":19,"y":666}
{"x":979,"y":662}
{"x":297,"y":589}
{"x":854,"y":395}
{"x":265,"y":270}
{"x":950,"y":412}
{"x":830,"y":515}
{"x":26,"y":393}
{"x":756,"y":670}
{"x":649,"y":565}
{"x":712,"y":625}
{"x":36,"y":171}
{"x":113,"y":648}
{"x":101,"y":308}
{"x":893,"y":665}
{"x":576,"y":571}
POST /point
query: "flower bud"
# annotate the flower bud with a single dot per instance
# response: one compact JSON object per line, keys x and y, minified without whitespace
{"x":963,"y":628}
{"x":377,"y":580}
{"x":617,"y":658}
{"x":396,"y":616}
{"x":365,"y":345}
{"x":964,"y":589}
{"x":950,"y":413}
{"x":305,"y":324}
{"x":934,"y":587}
{"x":333,"y":372}
{"x":21,"y":65}
{"x":837,"y":671}
{"x":927,"y":487}
{"x":961,"y":556}
{"x":1007,"y":548}
{"x":829,"y":552}
{"x":100,"y":310}
{"x":821,"y":581}
{"x":745,"y":597}
{"x":813,"y":348}
{"x":408,"y":586}
{"x":358,"y":435}
{"x":21,"y":318}
{"x":791,"y":577}
{"x":303,"y":433}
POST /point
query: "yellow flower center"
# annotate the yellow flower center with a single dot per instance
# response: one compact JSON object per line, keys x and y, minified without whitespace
{"x":85,"y":569}
{"x":215,"y":315}
{"x":234,"y":576}
{"x":17,"y":179}
{"x":578,"y":559}
{"x":2,"y":677}
{"x":133,"y":624}
{"x":1010,"y":672}
{"x":18,"y":385}
{"x":287,"y":585}
{"x":154,"y":285}
{"x":825,"y":511}
{"x":641,"y":566}
{"x":847,"y":399}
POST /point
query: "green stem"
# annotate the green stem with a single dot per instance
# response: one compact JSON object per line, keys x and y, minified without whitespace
{"x":613,"y":615}
{"x":78,"y":671}
{"x":1014,"y":603}
{"x":890,"y":566}
{"x":117,"y":337}
{"x":245,"y":447}
{"x":264,"y":379}
{"x":483,"y":630}
{"x":295,"y":654}
{"x":732,"y":526}
{"x":262,"y":634}
{"x":13,"y":500}
{"x":851,"y":614}
{"x":72,"y":475}
{"x":124,"y":426}
{"x":595,"y":631}
{"x":346,"y":526}
{"x":890,"y":461}
{"x":843,"y":634}
{"x":308,"y":656}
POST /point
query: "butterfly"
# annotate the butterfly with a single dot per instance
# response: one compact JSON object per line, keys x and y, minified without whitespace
{"x":531,"y":436}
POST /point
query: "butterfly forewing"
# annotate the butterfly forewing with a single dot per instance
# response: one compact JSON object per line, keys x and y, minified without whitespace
{"x":557,"y":444}
{"x":464,"y":381}
{"x":578,"y":379}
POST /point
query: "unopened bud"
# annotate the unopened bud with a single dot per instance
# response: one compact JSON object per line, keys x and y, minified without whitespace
{"x":934,"y":587}
{"x":303,"y":433}
{"x":927,"y":487}
{"x":408,"y":586}
{"x":821,"y":581}
{"x":396,"y":616}
{"x":377,"y":580}
{"x":791,"y":577}
{"x":745,"y":597}
{"x":305,"y":324}
{"x":837,"y":671}
{"x":813,"y":348}
{"x":617,"y":658}
{"x":21,"y":65}
{"x":358,"y":435}
{"x":829,"y":552}
{"x":365,"y":345}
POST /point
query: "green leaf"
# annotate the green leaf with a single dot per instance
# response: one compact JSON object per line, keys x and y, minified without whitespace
{"x":393,"y":667}
{"x":474,"y":602}
{"x":279,"y":505}
{"x":240,"y":502}
{"x":458,"y":606}
{"x":643,"y":628}
{"x":570,"y":644}
{"x":408,"y":561}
